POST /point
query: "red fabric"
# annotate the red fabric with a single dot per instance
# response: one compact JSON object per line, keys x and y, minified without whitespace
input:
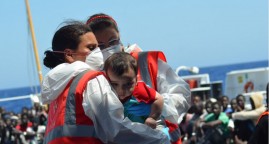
{"x":57,"y":110}
{"x":75,"y":140}
{"x":263,"y":114}
{"x":152,"y":59}
{"x":80,"y":114}
{"x":58,"y":106}
{"x":23,"y":128}
{"x":171,"y":126}
{"x":143,"y":93}
{"x":177,"y":142}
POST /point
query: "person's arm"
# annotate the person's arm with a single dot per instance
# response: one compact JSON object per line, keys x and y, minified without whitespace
{"x":156,"y":110}
{"x":239,"y":141}
{"x":222,"y":119}
{"x":106,"y":111}
{"x":176,"y":92}
{"x":211,"y":124}
{"x":245,"y":115}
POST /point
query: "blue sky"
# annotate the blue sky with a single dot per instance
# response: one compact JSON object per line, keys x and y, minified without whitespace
{"x":189,"y":32}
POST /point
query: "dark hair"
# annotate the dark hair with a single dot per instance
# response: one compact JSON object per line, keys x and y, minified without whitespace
{"x":101,"y":21}
{"x":120,"y":63}
{"x":240,"y":95}
{"x":67,"y":36}
{"x":224,"y":96}
{"x":233,"y":99}
{"x":24,"y":114}
{"x":216,"y":103}
{"x":208,"y":103}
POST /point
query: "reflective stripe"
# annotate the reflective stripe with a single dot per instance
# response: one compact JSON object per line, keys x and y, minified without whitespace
{"x":143,"y":66}
{"x":71,"y":131}
{"x":175,"y":135}
{"x":70,"y":128}
{"x":70,"y":111}
{"x":146,"y":77}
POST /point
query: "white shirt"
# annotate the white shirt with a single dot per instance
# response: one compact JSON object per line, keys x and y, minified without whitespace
{"x":176,"y":92}
{"x":101,"y":105}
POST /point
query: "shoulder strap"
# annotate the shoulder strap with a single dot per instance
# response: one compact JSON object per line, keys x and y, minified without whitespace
{"x":148,"y":66}
{"x":74,"y":97}
{"x":84,"y":77}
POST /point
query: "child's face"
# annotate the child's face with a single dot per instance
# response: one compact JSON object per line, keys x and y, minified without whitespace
{"x":225,"y":102}
{"x":216,"y":109}
{"x":234,"y":104}
{"x":208,"y":108}
{"x":124,"y":84}
{"x":240,"y":101}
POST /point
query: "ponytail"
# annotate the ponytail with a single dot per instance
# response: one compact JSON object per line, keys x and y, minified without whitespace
{"x":52,"y":59}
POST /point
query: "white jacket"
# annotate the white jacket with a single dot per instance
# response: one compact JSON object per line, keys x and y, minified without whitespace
{"x":176,"y":92}
{"x":101,"y":105}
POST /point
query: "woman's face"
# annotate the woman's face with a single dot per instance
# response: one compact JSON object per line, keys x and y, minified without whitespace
{"x":107,"y":37}
{"x":87,"y":43}
{"x":225,"y":102}
{"x":240,"y":102}
{"x":234,"y":104}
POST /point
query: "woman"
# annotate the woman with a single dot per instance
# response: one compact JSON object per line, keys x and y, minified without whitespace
{"x":154,"y":70}
{"x":83,"y":109}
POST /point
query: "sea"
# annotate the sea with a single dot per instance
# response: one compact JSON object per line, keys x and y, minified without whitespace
{"x":216,"y":73}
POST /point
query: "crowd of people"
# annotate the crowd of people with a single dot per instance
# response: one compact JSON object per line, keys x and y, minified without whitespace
{"x":99,"y":91}
{"x":210,"y":121}
{"x":26,"y":127}
{"x":224,"y":121}
{"x":207,"y":121}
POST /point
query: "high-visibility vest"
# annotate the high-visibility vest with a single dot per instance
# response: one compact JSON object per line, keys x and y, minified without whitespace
{"x":67,"y":122}
{"x":147,"y":72}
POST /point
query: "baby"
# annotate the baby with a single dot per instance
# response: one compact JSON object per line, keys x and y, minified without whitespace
{"x":141,"y":103}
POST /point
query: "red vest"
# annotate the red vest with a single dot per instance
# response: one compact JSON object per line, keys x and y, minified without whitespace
{"x":263,"y":114}
{"x":147,"y":72}
{"x":67,"y":122}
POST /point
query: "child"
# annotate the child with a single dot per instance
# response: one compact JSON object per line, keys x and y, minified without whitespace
{"x":141,"y":103}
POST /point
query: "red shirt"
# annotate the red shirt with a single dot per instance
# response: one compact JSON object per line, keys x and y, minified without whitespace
{"x":143,"y":93}
{"x":22,"y":127}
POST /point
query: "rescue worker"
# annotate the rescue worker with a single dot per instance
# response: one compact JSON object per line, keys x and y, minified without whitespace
{"x":82,"y":106}
{"x":152,"y":68}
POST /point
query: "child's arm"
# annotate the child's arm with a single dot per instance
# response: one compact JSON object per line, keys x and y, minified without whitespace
{"x":156,"y":110}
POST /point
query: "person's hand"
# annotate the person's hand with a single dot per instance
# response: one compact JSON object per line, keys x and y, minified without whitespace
{"x":239,"y":141}
{"x":193,"y":138}
{"x":151,"y":122}
{"x":239,"y":108}
{"x":16,"y":131}
{"x":199,"y":124}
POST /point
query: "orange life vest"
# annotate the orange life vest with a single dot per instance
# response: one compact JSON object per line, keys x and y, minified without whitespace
{"x":147,"y":72}
{"x":263,"y":114}
{"x":67,"y":122}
